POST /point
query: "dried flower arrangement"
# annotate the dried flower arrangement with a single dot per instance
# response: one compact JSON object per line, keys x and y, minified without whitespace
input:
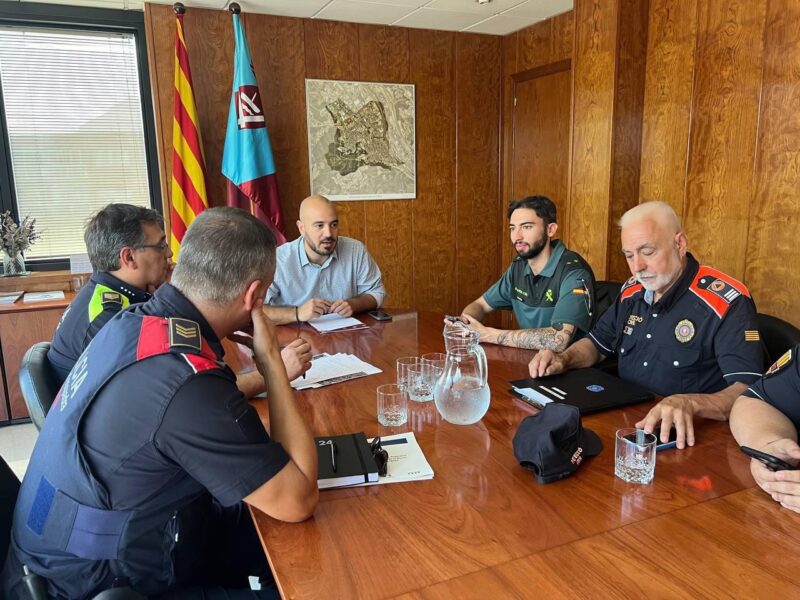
{"x":17,"y":238}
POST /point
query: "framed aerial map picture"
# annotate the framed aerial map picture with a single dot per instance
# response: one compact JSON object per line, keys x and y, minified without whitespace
{"x":361,"y":140}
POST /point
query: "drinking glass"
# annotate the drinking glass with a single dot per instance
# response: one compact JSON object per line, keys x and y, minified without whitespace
{"x":635,"y":455}
{"x":402,"y":369}
{"x":421,"y":379}
{"x":392,"y":405}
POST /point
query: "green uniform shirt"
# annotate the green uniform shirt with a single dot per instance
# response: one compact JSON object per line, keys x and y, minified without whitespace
{"x":540,"y":301}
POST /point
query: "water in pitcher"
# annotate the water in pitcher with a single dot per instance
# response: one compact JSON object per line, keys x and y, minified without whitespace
{"x":463,"y":403}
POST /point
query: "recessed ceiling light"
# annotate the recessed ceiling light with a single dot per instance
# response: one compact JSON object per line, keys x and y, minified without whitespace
{"x":483,"y":1}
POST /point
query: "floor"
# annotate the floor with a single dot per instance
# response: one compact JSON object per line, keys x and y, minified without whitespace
{"x":16,"y":445}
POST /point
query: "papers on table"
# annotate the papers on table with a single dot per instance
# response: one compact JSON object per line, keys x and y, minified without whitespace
{"x":333,"y":322}
{"x":9,"y":297}
{"x":406,"y":460}
{"x":42,"y":296}
{"x":326,"y":370}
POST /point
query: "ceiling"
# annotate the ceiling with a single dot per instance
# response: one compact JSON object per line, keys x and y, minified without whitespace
{"x":497,"y":17}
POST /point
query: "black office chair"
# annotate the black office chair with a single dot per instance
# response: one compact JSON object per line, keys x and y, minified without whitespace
{"x":605,"y":292}
{"x":38,"y":382}
{"x":9,"y":489}
{"x":777,"y":335}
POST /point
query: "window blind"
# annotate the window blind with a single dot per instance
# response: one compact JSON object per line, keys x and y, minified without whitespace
{"x":74,"y":118}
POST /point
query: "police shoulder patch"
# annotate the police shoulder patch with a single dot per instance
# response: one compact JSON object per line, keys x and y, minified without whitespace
{"x":111,"y":297}
{"x":186,"y":333}
{"x":717,"y":290}
{"x":779,"y":364}
{"x":629,"y":289}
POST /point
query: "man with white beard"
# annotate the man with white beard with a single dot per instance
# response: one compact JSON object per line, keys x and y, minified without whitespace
{"x":685,"y":331}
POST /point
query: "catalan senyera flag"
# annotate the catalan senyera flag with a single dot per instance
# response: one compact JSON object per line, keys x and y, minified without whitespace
{"x":247,"y":159}
{"x":189,"y":196}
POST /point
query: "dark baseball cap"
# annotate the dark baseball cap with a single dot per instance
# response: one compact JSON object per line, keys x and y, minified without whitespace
{"x":553,"y":443}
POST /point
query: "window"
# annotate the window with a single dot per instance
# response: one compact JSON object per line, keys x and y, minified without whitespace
{"x":75,"y":125}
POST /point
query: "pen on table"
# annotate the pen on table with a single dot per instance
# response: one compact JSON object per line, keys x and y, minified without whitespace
{"x":333,"y":454}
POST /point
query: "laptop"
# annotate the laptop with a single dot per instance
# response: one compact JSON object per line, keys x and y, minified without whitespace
{"x":591,"y":390}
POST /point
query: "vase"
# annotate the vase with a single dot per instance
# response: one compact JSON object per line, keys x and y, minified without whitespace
{"x":13,"y":265}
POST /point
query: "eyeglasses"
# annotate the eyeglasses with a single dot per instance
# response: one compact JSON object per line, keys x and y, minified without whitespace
{"x":380,"y":455}
{"x":163,"y":246}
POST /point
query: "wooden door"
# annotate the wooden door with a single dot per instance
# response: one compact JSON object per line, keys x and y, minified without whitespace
{"x":540,"y":147}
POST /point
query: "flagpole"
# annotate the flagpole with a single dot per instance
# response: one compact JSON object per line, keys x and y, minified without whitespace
{"x":179,"y":8}
{"x":235,"y":8}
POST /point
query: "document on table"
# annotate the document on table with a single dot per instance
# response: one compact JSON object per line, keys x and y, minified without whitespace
{"x":333,"y":322}
{"x":9,"y":297}
{"x":327,"y":370}
{"x":42,"y":296}
{"x":406,"y":461}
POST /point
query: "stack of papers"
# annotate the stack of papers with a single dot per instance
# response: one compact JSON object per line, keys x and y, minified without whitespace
{"x":42,"y":296}
{"x":333,"y":322}
{"x":326,"y":370}
{"x":9,"y":297}
{"x":406,"y":460}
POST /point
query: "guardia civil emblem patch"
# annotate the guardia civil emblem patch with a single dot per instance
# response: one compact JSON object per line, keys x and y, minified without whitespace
{"x":684,"y":331}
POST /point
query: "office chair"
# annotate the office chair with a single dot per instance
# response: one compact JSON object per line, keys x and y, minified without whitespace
{"x":9,"y":489}
{"x":605,"y":292}
{"x":777,"y":335}
{"x":38,"y":382}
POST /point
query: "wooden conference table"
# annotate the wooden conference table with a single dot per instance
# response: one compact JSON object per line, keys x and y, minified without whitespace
{"x":483,"y":528}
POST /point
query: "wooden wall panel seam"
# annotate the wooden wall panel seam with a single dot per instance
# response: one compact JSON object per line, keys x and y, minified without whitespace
{"x":691,"y":115}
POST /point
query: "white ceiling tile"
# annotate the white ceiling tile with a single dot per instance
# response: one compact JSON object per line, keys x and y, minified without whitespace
{"x":472,"y":6}
{"x":362,"y":12}
{"x":502,"y":25}
{"x":218,"y":4}
{"x":541,"y":9}
{"x":409,"y":3}
{"x":426,"y":18}
{"x":292,"y":8}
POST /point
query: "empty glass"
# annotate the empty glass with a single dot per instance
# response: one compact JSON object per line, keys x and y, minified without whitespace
{"x":402,"y":369}
{"x":434,"y":358}
{"x":421,"y":379}
{"x":635,"y":455}
{"x":392,"y":405}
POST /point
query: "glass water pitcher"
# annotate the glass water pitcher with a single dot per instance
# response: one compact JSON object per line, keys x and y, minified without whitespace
{"x":462,"y":392}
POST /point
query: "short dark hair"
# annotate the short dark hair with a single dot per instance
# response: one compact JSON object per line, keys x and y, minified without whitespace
{"x":224,"y":250}
{"x":541,"y":205}
{"x":113,"y":228}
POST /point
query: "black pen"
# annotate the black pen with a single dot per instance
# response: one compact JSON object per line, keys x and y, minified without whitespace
{"x":299,"y":326}
{"x":333,"y":454}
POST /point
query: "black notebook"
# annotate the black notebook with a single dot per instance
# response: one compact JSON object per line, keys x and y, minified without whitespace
{"x":591,"y":390}
{"x":345,"y":460}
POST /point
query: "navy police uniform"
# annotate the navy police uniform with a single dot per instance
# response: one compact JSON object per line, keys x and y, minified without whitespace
{"x":142,"y":463}
{"x":99,"y":300}
{"x":780,"y":386}
{"x":699,"y":337}
{"x":562,"y":293}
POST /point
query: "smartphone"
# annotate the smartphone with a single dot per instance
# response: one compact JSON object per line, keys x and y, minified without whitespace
{"x":773,"y":463}
{"x":380,"y":315}
{"x":672,"y":442}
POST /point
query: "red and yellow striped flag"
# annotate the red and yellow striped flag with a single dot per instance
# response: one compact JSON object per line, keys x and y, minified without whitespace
{"x":189,"y":197}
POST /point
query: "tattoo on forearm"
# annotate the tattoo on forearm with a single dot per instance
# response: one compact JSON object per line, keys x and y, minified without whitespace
{"x":550,"y":338}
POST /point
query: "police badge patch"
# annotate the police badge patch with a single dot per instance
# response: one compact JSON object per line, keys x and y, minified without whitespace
{"x":684,"y":331}
{"x":780,"y":363}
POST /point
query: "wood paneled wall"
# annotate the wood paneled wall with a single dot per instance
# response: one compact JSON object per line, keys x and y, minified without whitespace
{"x":721,"y":139}
{"x":694,"y":103}
{"x":437,"y":252}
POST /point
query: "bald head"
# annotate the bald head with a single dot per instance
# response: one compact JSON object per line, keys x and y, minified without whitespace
{"x":314,"y":205}
{"x":319,"y":226}
{"x":660,"y":213}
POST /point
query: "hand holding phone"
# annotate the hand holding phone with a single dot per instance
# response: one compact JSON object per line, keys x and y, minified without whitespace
{"x":773,"y":463}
